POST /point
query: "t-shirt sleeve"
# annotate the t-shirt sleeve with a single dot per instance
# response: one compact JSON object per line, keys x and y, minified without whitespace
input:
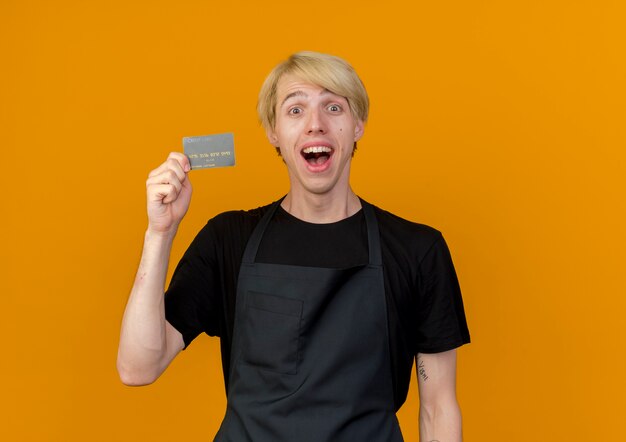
{"x":441,"y":317}
{"x":191,"y":300}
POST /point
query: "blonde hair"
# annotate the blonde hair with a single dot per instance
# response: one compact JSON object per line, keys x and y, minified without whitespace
{"x":324,"y":70}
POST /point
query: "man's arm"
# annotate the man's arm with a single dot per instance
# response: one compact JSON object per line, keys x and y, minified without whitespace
{"x":439,"y":415}
{"x":148,"y":343}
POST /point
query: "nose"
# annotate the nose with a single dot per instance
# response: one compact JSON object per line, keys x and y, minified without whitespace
{"x":316,"y":124}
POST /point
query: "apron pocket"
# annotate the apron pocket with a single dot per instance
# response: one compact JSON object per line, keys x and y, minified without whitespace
{"x":271,"y":332}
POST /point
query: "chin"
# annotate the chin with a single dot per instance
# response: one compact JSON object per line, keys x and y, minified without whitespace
{"x":320,"y":188}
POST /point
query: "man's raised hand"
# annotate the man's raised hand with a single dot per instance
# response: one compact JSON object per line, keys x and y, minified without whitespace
{"x":168,"y":194}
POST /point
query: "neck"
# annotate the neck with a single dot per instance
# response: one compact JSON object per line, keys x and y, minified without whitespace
{"x":321,"y":209}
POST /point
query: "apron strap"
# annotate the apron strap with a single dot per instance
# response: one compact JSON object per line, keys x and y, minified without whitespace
{"x":255,"y":239}
{"x":373,"y":235}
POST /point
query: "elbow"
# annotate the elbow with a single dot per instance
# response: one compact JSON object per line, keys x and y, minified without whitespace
{"x":134,"y":377}
{"x":135,"y":380}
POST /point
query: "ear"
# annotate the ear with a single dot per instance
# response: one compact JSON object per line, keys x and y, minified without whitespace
{"x":358,"y":130}
{"x":271,"y":136}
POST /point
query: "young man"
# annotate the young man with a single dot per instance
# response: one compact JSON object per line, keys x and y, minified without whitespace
{"x":321,"y":300}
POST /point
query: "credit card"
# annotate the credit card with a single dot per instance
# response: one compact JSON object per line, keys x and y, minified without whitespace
{"x":210,"y":151}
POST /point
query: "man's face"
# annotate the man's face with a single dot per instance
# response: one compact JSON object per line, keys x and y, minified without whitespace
{"x":316,"y":132}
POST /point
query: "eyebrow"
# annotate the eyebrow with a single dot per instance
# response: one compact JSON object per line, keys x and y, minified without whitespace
{"x":302,"y":94}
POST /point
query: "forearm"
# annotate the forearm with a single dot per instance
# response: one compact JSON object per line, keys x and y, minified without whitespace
{"x":143,"y":336}
{"x":441,"y":422}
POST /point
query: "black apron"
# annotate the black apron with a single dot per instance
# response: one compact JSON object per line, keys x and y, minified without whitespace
{"x":310,"y":357}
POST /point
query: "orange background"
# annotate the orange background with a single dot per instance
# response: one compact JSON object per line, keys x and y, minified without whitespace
{"x":499,"y":123}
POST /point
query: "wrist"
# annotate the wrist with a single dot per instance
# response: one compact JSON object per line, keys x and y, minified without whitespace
{"x":160,"y":235}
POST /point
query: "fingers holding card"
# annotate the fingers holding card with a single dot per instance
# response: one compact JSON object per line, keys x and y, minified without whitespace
{"x":168,"y":193}
{"x":168,"y":187}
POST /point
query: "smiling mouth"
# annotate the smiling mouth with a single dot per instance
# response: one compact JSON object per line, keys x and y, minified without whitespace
{"x":316,"y":155}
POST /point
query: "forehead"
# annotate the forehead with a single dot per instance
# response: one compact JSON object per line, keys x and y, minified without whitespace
{"x":291,"y":85}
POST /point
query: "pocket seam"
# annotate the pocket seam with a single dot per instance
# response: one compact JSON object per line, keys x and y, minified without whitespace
{"x":274,"y":312}
{"x":254,"y":295}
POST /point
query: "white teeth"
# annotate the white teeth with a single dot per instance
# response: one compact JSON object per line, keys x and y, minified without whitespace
{"x":316,"y":149}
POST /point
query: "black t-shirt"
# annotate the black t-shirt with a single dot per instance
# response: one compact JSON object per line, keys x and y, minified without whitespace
{"x":424,"y":304}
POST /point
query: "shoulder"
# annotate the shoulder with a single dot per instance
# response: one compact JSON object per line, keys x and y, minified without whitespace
{"x":234,"y":220}
{"x":229,"y":228}
{"x":237,"y":217}
{"x":410,"y":239}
